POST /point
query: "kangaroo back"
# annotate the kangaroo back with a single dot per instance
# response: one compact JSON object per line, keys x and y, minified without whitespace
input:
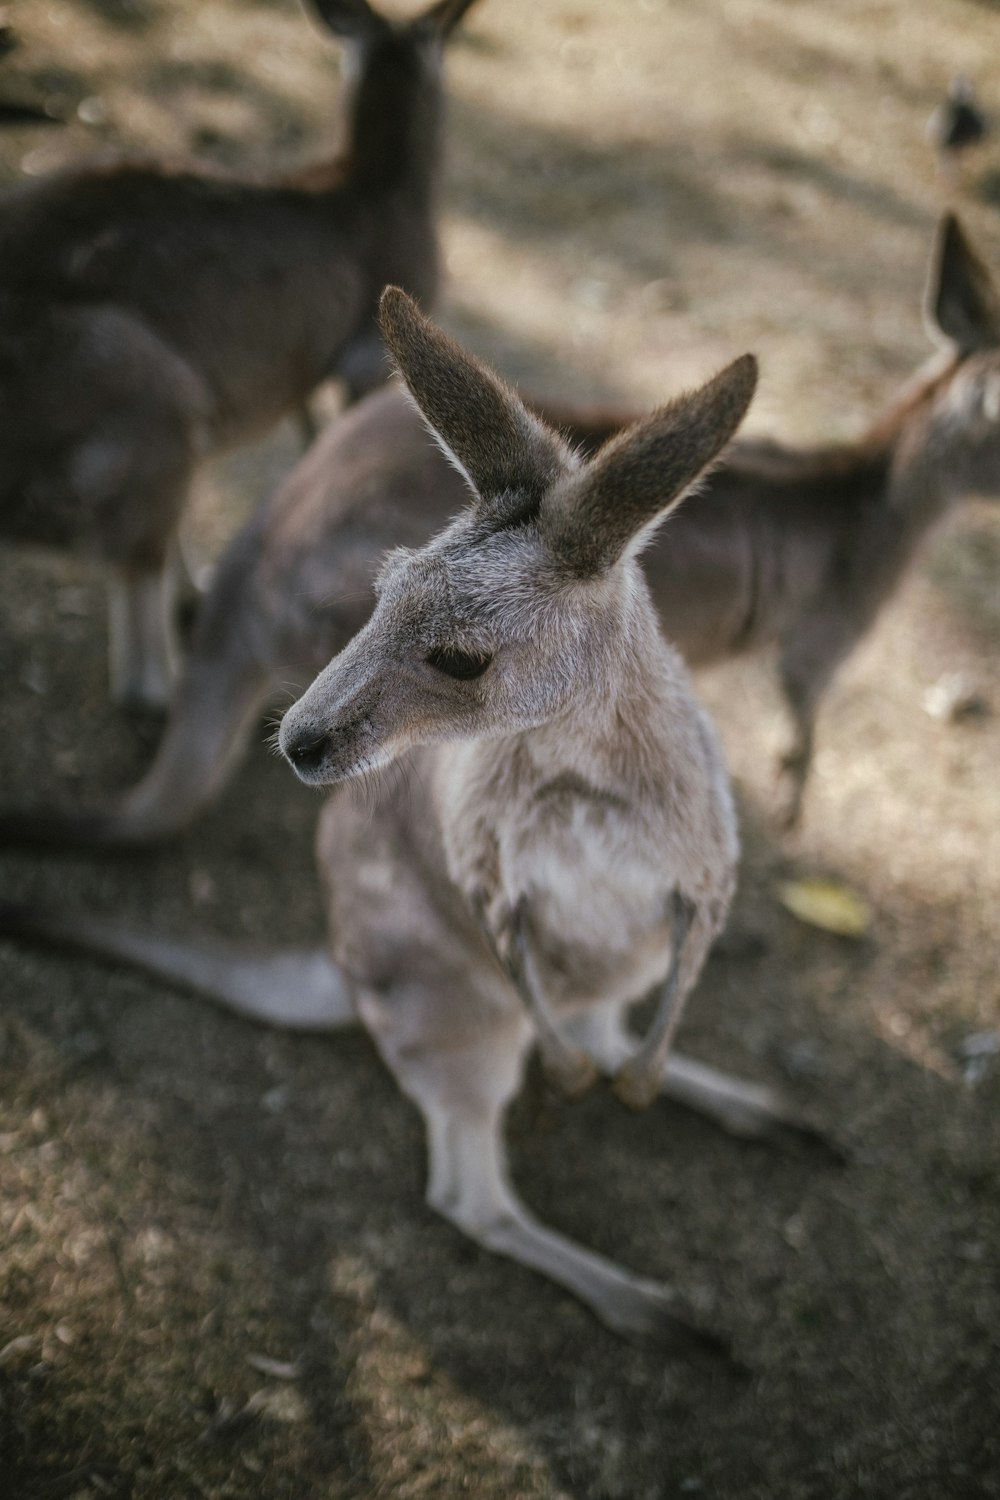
{"x":124,"y":380}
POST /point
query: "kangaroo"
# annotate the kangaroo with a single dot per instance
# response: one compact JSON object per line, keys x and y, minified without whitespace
{"x":566,"y":841}
{"x":152,"y":318}
{"x":793,"y":548}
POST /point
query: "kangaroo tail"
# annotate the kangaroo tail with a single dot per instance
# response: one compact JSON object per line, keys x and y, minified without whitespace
{"x":208,"y":726}
{"x":221,"y":692}
{"x":299,"y":989}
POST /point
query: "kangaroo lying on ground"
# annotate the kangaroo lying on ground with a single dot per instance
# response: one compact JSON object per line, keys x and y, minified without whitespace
{"x":152,"y":318}
{"x":565,"y":841}
{"x":798,"y":548}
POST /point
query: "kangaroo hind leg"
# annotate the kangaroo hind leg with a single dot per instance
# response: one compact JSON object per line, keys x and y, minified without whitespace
{"x":462,"y":1086}
{"x":750,"y":1111}
{"x":807,"y":662}
{"x":144,"y":654}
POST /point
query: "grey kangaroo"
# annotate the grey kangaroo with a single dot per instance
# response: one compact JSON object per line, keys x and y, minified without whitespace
{"x":152,"y":318}
{"x":566,"y":841}
{"x":787,"y":547}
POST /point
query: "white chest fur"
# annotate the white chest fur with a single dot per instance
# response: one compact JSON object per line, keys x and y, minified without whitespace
{"x":591,"y":876}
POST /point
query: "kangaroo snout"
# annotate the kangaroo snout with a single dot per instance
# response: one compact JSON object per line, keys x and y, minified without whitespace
{"x":306,"y":751}
{"x":329,"y":735}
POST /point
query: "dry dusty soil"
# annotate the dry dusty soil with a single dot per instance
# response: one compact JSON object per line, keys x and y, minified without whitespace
{"x":636,"y":190}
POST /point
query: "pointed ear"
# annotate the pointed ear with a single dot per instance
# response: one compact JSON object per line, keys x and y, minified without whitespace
{"x":509,"y":457}
{"x":444,"y":15}
{"x":591,"y":518}
{"x":353,"y":20}
{"x":962,"y":300}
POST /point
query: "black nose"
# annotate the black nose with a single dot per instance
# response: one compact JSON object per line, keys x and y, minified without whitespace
{"x":307,"y":751}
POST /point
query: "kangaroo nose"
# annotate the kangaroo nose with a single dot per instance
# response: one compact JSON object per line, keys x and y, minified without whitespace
{"x":306,"y":751}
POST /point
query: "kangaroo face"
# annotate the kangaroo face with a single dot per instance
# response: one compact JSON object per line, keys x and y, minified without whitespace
{"x":476,"y":635}
{"x":962,"y":310}
{"x":968,"y":421}
{"x":516,"y":609}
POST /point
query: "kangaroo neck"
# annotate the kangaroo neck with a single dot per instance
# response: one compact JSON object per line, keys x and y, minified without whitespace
{"x":910,"y":438}
{"x":895,"y":473}
{"x":617,"y":727}
{"x":394,"y":127}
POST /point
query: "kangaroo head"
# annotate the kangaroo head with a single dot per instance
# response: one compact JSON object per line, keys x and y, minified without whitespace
{"x":359,"y":24}
{"x":963,"y":308}
{"x":962,"y":304}
{"x":520,"y":605}
{"x":392,"y":87}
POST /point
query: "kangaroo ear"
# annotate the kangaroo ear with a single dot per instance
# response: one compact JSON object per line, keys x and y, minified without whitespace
{"x":592,"y":517}
{"x":444,"y":15}
{"x":508,"y":457}
{"x":962,"y":300}
{"x":352,"y":19}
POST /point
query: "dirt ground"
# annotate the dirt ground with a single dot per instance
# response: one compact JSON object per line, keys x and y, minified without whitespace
{"x":636,"y":190}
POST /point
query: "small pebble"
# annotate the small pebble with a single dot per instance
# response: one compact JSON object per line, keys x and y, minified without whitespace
{"x":978,"y":1054}
{"x":67,"y":762}
{"x":73,"y":602}
{"x":92,"y":111}
{"x":803,"y":1060}
{"x":954,"y":696}
{"x":794,"y":1232}
{"x":203,"y":888}
{"x":35,"y":679}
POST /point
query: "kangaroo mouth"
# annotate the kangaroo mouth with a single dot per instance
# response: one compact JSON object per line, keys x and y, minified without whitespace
{"x":323,"y":757}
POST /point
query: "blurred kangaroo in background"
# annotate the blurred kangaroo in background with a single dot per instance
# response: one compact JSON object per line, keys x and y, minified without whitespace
{"x":151,"y":318}
{"x":565,"y":840}
{"x":797,"y":548}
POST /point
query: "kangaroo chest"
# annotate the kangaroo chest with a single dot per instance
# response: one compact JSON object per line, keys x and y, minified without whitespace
{"x":573,"y":857}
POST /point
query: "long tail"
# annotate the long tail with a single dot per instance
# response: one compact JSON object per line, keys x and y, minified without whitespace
{"x":208,"y":726}
{"x":299,"y":989}
{"x":221,"y":692}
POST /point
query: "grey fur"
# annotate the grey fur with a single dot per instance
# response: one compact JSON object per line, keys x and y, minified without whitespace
{"x":789,"y":548}
{"x":574,"y":782}
{"x":963,"y":302}
{"x":475,"y":900}
{"x":152,"y":318}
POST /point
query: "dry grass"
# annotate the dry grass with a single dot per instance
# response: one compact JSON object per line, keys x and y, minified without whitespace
{"x":636,"y":190}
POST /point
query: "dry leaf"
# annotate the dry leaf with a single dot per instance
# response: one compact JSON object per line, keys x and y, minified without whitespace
{"x":17,"y":1346}
{"x":826,"y":904}
{"x":280,"y":1369}
{"x":282,"y":1404}
{"x":954,"y":696}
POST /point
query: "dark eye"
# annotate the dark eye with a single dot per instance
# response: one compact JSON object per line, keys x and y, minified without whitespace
{"x":461,"y":664}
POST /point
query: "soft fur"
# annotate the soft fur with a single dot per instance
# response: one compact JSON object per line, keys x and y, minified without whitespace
{"x":151,"y":317}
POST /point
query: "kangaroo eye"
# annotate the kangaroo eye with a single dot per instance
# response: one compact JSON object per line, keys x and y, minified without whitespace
{"x":461,"y":664}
